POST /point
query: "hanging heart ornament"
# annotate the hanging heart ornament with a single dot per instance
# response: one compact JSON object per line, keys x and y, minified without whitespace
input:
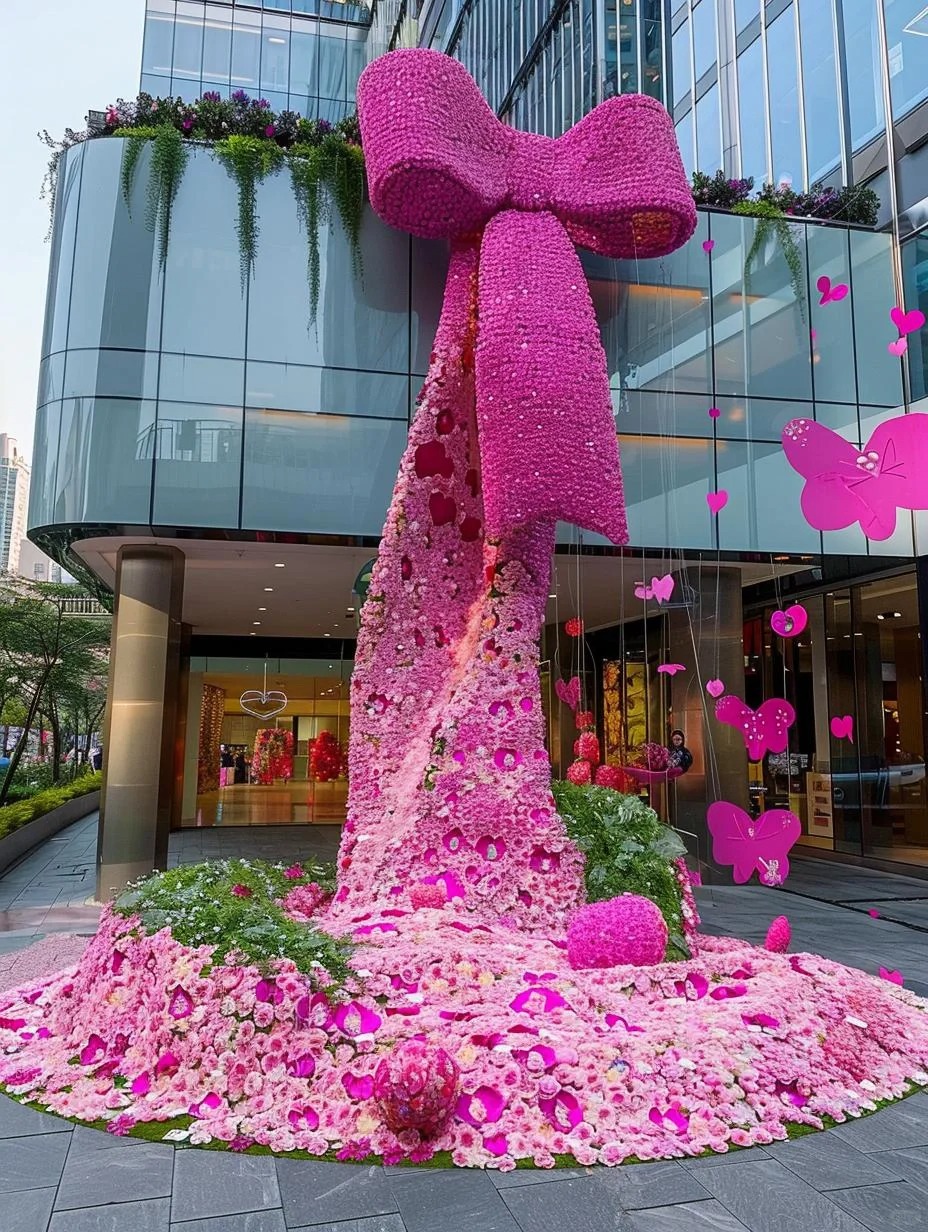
{"x":263,"y":704}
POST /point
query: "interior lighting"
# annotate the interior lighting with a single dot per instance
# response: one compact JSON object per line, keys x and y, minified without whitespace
{"x":889,"y":616}
{"x":262,"y":609}
{"x":256,"y":622}
{"x":269,"y":590}
{"x":279,"y":565}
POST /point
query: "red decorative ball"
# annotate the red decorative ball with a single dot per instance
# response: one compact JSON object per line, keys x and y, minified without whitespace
{"x":624,"y":931}
{"x":584,"y":719}
{"x":587,"y":746}
{"x":573,"y":627}
{"x":416,"y":1087}
{"x":578,"y":772}
{"x":611,"y":776}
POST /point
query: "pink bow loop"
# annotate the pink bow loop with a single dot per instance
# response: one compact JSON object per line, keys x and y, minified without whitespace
{"x":440,"y":164}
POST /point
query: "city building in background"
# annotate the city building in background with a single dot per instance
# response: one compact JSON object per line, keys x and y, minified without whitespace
{"x":223,"y":467}
{"x":14,"y":501}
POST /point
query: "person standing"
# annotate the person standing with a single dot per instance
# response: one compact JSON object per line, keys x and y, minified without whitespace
{"x":680,"y":756}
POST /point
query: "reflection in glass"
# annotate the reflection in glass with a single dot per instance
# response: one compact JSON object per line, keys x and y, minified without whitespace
{"x":752,"y":114}
{"x":103,"y":473}
{"x":864,"y":73}
{"x":680,"y":52}
{"x":745,"y":11}
{"x":197,"y":452}
{"x":217,"y":45}
{"x":246,"y":52}
{"x":188,"y":42}
{"x":709,"y":132}
{"x":705,"y":53}
{"x":907,"y":40}
{"x":304,"y":63}
{"x":159,"y":42}
{"x":784,"y":101}
{"x":915,"y":278}
{"x":820,"y":89}
{"x":332,"y":61}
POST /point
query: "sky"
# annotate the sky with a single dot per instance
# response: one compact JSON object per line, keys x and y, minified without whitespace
{"x":58,"y":59}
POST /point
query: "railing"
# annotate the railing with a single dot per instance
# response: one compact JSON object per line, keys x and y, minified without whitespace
{"x":84,"y":607}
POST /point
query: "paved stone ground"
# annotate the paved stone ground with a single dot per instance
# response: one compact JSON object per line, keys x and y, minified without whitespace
{"x":870,"y":1174}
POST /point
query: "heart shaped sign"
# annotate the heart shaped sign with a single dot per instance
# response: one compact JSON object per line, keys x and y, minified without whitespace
{"x":569,"y":691}
{"x":261,"y":704}
{"x":789,"y":622}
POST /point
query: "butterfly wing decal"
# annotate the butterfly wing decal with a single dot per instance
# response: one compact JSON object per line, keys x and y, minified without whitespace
{"x":750,"y":846}
{"x":775,"y":833}
{"x":774,"y":719}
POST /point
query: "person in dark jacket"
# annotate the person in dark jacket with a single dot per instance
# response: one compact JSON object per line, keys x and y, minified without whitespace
{"x":680,"y":756}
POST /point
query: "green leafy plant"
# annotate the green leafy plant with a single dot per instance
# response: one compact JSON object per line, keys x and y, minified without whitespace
{"x":168,"y":162}
{"x":15,"y":816}
{"x":772,"y":221}
{"x":331,"y":164}
{"x":234,"y":906}
{"x":249,"y":161}
{"x":628,"y":850}
{"x":136,"y":139}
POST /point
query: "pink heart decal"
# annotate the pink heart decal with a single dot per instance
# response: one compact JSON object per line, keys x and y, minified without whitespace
{"x":874,"y":915}
{"x":717,"y":500}
{"x":765,"y":729}
{"x":569,"y":691}
{"x":671,"y":669}
{"x":842,"y":727}
{"x":708,"y":245}
{"x":715,"y":688}
{"x":660,"y":589}
{"x":750,"y":846}
{"x":789,"y":622}
{"x":907,"y":322}
{"x":714,"y":412}
{"x":899,"y":347}
{"x":894,"y":977}
{"x":830,"y":293}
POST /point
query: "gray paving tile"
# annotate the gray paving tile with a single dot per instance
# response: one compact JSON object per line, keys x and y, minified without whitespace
{"x":149,"y":1216}
{"x":576,"y":1204}
{"x":708,"y":1216}
{"x":911,"y":1164}
{"x":533,"y":1176}
{"x":744,"y":1155}
{"x":332,"y":1192}
{"x":28,"y":1212}
{"x":658,"y":1184}
{"x":253,"y":1221}
{"x":84,"y":1141}
{"x":766,"y":1197}
{"x":32,"y":1163}
{"x":896,"y":1207}
{"x":99,"y":1177}
{"x":16,"y":1121}
{"x":207,"y":1184}
{"x":902,"y":1125}
{"x":377,"y":1223}
{"x":455,"y":1198}
{"x":826,"y":1161}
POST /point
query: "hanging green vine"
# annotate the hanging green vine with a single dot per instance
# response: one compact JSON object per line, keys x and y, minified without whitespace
{"x":135,"y":142}
{"x":340,"y":168}
{"x":772,"y":221}
{"x":168,"y":161}
{"x":248,"y":160}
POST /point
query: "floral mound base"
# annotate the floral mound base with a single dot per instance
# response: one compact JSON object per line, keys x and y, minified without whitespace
{"x":726,"y":1050}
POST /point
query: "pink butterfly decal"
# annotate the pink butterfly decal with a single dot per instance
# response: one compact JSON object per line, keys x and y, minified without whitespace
{"x":661,"y":589}
{"x":750,"y":846}
{"x":765,"y":728}
{"x":830,"y":292}
{"x":845,"y":484}
{"x":671,"y":669}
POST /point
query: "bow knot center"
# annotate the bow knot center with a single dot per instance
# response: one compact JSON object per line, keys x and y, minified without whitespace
{"x":532,"y":172}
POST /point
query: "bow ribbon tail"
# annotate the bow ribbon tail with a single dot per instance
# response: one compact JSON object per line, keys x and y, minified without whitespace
{"x":548,"y":445}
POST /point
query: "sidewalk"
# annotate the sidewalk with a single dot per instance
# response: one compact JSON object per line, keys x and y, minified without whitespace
{"x":870,"y":1174}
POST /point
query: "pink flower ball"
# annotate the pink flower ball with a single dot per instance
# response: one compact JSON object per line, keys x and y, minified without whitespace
{"x":624,"y":931}
{"x":426,"y":894}
{"x":304,"y":901}
{"x":579,"y":772}
{"x":416,"y":1087}
{"x":611,"y":776}
{"x":778,"y":935}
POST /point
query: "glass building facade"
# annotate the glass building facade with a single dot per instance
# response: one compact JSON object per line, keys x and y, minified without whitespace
{"x":302,"y":55}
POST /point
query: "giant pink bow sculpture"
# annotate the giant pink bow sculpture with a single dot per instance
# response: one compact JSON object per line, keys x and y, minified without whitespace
{"x":450,"y":782}
{"x":440,"y":164}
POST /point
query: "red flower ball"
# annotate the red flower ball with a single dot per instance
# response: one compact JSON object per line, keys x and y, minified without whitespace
{"x":584,"y":719}
{"x":612,"y":776}
{"x":416,"y":1086}
{"x":579,"y":772}
{"x":573,"y":627}
{"x":587,"y":746}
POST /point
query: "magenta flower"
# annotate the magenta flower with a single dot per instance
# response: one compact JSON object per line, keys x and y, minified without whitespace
{"x":484,"y":1107}
{"x":242,"y":891}
{"x":302,"y":1067}
{"x":294,"y":872}
{"x":93,"y":1050}
{"x":356,"y":1019}
{"x":270,"y":130}
{"x":180,"y":1004}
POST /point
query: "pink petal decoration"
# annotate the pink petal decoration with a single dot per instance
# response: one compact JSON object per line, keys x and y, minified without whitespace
{"x":715,"y":687}
{"x":845,"y":484}
{"x":894,"y":977}
{"x":358,"y":1086}
{"x":789,"y":622}
{"x":760,"y":1020}
{"x":671,"y":669}
{"x":842,"y":727}
{"x":725,"y":992}
{"x":907,"y":322}
{"x":568,"y":691}
{"x":303,"y":1118}
{"x":614,"y":1020}
{"x":484,"y":1107}
{"x":302,"y":1067}
{"x":672,"y":1119}
{"x":830,"y":293}
{"x":180,"y":1005}
{"x":94,"y":1050}
{"x":766,"y":728}
{"x":714,"y":412}
{"x":140,"y":1085}
{"x":693,"y":987}
{"x":874,"y":915}
{"x":537,"y":1000}
{"x":563,"y":1110}
{"x":779,"y":935}
{"x":356,"y":1019}
{"x":717,"y":500}
{"x":496,"y":1144}
{"x":750,"y":845}
{"x":898,"y":347}
{"x":708,"y":245}
{"x":788,"y":1093}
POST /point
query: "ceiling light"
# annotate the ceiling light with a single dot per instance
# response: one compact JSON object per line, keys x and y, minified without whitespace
{"x":252,"y":635}
{"x":327,"y":635}
{"x":256,"y":622}
{"x":889,"y":615}
{"x":279,"y":565}
{"x":277,"y":40}
{"x":262,"y":609}
{"x":552,"y":596}
{"x":269,"y":590}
